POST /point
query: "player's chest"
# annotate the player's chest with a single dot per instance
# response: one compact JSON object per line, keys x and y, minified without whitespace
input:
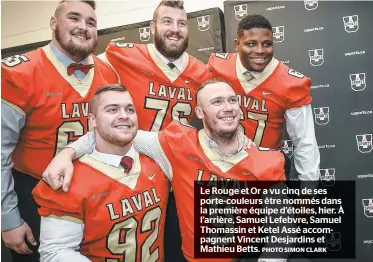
{"x":260,"y":101}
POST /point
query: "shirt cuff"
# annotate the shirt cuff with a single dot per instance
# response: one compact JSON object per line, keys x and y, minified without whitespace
{"x":11,"y":220}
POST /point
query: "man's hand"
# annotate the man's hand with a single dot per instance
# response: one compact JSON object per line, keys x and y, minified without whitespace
{"x":248,"y":143}
{"x":60,"y":170}
{"x":15,"y":239}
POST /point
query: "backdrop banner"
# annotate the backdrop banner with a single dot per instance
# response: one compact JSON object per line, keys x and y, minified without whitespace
{"x":330,"y":42}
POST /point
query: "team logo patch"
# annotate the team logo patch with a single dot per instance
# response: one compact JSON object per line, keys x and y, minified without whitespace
{"x":364,"y":143}
{"x":333,"y":241}
{"x":278,"y":34}
{"x":144,"y":33}
{"x":311,"y":4}
{"x":316,"y":56}
{"x":358,"y":82}
{"x":240,"y":11}
{"x":292,"y":72}
{"x":203,"y":22}
{"x":351,"y":23}
{"x":321,"y":115}
{"x":327,"y":176}
{"x":287,"y":148}
{"x":368,"y":207}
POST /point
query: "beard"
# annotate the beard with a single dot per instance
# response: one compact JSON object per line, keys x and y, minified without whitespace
{"x":170,"y":51}
{"x":79,"y":51}
{"x":219,"y":135}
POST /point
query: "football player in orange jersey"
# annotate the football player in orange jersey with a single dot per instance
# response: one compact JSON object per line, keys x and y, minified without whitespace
{"x":115,"y":209}
{"x":186,"y":155}
{"x":161,"y":76}
{"x":45,"y":95}
{"x":270,"y":94}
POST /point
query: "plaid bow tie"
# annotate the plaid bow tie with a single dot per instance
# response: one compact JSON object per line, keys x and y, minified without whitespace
{"x":74,"y":66}
{"x":126,"y":163}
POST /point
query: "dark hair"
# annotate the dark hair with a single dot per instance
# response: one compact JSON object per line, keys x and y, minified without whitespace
{"x":91,"y":3}
{"x":209,"y":81}
{"x":173,"y":4}
{"x":253,"y":21}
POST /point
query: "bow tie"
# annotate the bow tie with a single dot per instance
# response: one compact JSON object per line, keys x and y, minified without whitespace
{"x":126,"y":163}
{"x":74,"y":66}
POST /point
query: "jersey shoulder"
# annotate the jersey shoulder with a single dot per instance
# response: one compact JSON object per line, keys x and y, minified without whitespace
{"x":290,"y":76}
{"x":23,"y":65}
{"x":126,"y":51}
{"x":218,"y":59}
{"x":197,"y":70}
{"x":295,"y":88}
{"x":178,"y":133}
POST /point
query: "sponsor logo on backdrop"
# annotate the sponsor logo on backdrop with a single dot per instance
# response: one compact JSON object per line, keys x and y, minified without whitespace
{"x":311,"y":4}
{"x":364,"y":112}
{"x":307,"y":30}
{"x":364,"y":143}
{"x":240,"y":11}
{"x":320,"y":86}
{"x":288,"y":147}
{"x":327,"y":176}
{"x":326,"y":146}
{"x":358,"y":81}
{"x":203,"y":22}
{"x":369,"y":241}
{"x":118,"y":39}
{"x":333,"y":241}
{"x":144,"y":33}
{"x":316,"y":56}
{"x":206,"y":49}
{"x":368,"y":207}
{"x":351,"y":23}
{"x":365,"y":176}
{"x":277,"y":7}
{"x":355,"y":53}
{"x":321,"y":115}
{"x":278,"y":34}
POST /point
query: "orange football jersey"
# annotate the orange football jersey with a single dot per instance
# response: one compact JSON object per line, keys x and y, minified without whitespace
{"x":264,"y":102}
{"x":56,"y":105}
{"x":123,"y":215}
{"x":192,"y":160}
{"x":160,"y":94}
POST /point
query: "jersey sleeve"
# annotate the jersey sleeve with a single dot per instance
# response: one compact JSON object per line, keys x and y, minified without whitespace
{"x":174,"y":136}
{"x":16,"y":89}
{"x":299,"y":92}
{"x":58,"y":203}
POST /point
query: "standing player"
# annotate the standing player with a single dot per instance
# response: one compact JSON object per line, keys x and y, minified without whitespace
{"x":115,"y":209}
{"x":214,"y":153}
{"x":161,"y":76}
{"x":163,"y":80}
{"x":45,"y":95}
{"x":270,"y":94}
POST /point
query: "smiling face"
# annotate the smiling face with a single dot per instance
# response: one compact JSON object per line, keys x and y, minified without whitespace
{"x":75,"y":29}
{"x":170,"y":31}
{"x":114,"y":119}
{"x":255,"y":48}
{"x":219,"y":110}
